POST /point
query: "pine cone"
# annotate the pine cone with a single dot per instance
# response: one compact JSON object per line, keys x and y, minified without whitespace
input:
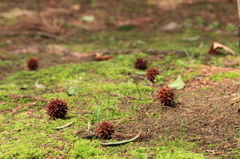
{"x":165,"y":96}
{"x":32,"y":64}
{"x":152,"y":73}
{"x":141,"y":64}
{"x":105,"y":130}
{"x":57,"y":109}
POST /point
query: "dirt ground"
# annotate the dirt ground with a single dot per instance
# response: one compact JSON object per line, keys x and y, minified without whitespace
{"x":210,"y":116}
{"x":42,"y":22}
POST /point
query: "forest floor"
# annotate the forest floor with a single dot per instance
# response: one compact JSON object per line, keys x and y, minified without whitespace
{"x":90,"y":46}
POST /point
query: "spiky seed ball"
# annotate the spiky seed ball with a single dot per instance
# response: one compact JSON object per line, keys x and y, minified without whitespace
{"x":165,"y":96}
{"x":32,"y":64}
{"x":152,"y":73}
{"x":105,"y":130}
{"x":57,"y":109}
{"x":141,"y":64}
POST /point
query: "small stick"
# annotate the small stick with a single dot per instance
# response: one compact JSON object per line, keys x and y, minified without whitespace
{"x":14,"y":111}
{"x":26,"y":96}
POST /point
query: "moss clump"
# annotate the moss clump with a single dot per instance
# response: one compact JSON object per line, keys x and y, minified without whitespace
{"x":228,"y":74}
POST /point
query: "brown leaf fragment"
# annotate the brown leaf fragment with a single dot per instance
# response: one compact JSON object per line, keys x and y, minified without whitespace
{"x":80,"y":55}
{"x":101,"y":57}
{"x":172,"y":26}
{"x":220,"y":49}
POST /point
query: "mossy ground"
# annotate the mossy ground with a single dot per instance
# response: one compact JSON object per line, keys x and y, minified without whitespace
{"x":105,"y":87}
{"x":205,"y":123}
{"x":29,"y":134}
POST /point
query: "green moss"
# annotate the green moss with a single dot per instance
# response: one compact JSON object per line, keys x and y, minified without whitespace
{"x":177,"y":149}
{"x":86,"y":149}
{"x":236,"y":153}
{"x":228,"y":74}
{"x":107,"y":93}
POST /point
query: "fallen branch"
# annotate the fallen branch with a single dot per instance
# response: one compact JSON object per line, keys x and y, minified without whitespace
{"x":26,"y":96}
{"x":20,"y":106}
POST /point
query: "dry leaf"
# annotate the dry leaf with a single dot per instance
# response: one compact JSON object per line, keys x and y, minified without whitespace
{"x":100,"y":57}
{"x":75,"y":7}
{"x":220,"y":49}
{"x":172,"y":26}
{"x":80,"y":55}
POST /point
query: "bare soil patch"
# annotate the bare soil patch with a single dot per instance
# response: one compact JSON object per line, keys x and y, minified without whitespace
{"x":210,"y":116}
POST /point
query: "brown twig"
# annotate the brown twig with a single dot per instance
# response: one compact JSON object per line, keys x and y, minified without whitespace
{"x":26,"y":96}
{"x":20,"y":106}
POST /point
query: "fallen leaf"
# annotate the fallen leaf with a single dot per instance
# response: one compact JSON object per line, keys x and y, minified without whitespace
{"x":125,"y":27}
{"x":170,"y":27}
{"x":39,"y":85}
{"x":80,"y":55}
{"x":88,"y":18}
{"x":178,"y":83}
{"x":220,"y":49}
{"x":24,"y":87}
{"x":75,"y":7}
{"x":3,"y":102}
{"x":140,"y":42}
{"x":73,"y":90}
{"x":101,"y":57}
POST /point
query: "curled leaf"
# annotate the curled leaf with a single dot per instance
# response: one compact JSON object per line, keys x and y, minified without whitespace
{"x":178,"y":83}
{"x":63,"y":126}
{"x":220,"y":49}
{"x":88,"y":18}
{"x":39,"y":85}
{"x":73,"y":90}
{"x":101,"y":57}
{"x":172,"y":26}
{"x":121,"y":142}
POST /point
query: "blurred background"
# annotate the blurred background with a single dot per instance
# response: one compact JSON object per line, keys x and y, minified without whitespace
{"x":50,"y":18}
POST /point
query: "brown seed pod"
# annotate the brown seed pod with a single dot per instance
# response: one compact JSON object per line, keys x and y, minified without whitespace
{"x":105,"y":130}
{"x":32,"y":64}
{"x":165,"y":96}
{"x":152,"y":73}
{"x":57,"y":109}
{"x":141,"y":64}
